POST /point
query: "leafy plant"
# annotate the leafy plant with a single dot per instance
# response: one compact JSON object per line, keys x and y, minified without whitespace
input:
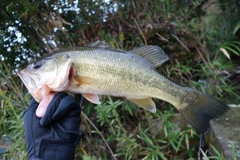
{"x":201,"y":39}
{"x":11,"y":120}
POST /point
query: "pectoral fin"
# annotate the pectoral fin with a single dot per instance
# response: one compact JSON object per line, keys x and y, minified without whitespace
{"x":92,"y":98}
{"x":83,"y":80}
{"x":146,"y":103}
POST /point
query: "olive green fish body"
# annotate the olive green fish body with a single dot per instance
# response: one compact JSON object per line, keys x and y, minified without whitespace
{"x":94,"y":71}
{"x":120,"y":74}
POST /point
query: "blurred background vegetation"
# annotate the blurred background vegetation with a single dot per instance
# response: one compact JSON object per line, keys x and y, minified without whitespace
{"x":201,"y":37}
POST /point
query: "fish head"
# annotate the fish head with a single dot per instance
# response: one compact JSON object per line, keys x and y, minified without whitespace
{"x":49,"y":74}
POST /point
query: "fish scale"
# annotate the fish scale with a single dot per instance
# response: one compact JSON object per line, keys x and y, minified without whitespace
{"x":94,"y":71}
{"x":117,"y":70}
{"x":115,"y":76}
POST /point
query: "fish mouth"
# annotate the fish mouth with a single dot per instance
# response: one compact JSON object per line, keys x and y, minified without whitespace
{"x":26,"y":79}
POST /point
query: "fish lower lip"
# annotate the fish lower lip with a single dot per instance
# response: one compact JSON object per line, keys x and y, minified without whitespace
{"x":21,"y":74}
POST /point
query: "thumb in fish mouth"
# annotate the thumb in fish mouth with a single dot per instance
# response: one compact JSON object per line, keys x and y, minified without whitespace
{"x":42,"y":107}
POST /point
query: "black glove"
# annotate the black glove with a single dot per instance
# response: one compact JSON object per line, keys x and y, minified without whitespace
{"x":56,"y":134}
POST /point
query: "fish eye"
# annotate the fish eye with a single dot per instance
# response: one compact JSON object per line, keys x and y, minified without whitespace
{"x":37,"y":65}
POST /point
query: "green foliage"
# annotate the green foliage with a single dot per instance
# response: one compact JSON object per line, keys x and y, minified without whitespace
{"x":11,"y":121}
{"x":200,"y":37}
{"x":232,"y":46}
{"x":235,"y":152}
{"x":137,"y":139}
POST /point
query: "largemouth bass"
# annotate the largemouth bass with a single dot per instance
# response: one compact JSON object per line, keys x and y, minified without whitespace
{"x":100,"y":70}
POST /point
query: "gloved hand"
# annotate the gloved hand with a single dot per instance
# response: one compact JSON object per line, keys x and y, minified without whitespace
{"x":56,"y":134}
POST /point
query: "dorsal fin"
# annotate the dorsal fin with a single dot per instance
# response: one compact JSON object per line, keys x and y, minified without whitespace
{"x":152,"y":53}
{"x":104,"y":45}
{"x":101,"y":44}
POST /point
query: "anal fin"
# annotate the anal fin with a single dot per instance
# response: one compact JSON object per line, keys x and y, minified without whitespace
{"x":146,"y":103}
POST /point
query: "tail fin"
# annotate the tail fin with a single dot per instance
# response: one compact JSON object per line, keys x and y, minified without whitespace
{"x":202,"y":110}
